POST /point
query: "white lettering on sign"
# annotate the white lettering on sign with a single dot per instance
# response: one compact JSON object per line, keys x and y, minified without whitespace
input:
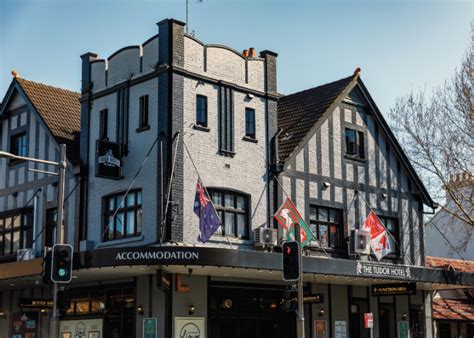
{"x":135,"y":255}
{"x":383,"y":270}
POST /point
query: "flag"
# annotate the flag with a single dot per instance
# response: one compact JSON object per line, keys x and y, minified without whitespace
{"x":287,"y":216}
{"x":379,"y":240}
{"x":208,"y":220}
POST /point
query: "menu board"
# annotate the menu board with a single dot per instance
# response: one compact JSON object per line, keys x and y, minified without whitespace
{"x":24,"y":325}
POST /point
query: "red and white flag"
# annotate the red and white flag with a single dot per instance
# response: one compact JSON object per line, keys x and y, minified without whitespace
{"x":379,"y":240}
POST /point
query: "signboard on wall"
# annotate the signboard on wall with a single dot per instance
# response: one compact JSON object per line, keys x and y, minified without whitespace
{"x":393,"y":289}
{"x":403,"y":329}
{"x":189,"y":327}
{"x":86,"y":328}
{"x":383,"y":270}
{"x":24,"y":325}
{"x":320,"y":329}
{"x":369,"y":320}
{"x":108,"y":160}
{"x":340,"y":327}
{"x":149,"y":328}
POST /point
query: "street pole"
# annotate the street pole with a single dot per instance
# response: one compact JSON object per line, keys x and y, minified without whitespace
{"x":54,"y":324}
{"x":299,"y":288}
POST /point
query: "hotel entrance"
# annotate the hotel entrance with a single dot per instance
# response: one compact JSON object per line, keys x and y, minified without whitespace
{"x":249,"y":311}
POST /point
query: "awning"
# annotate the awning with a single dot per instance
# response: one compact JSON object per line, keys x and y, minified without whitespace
{"x":26,"y":268}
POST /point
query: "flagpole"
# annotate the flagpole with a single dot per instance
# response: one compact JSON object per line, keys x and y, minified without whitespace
{"x":202,"y":184}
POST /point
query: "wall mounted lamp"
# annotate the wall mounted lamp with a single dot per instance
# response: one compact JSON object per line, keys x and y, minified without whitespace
{"x":326,"y":185}
{"x":3,"y":314}
{"x":404,"y":316}
{"x":140,"y":310}
{"x":191,"y":309}
{"x":321,"y":312}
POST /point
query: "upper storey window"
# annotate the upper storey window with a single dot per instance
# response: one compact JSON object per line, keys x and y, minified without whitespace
{"x":122,"y":215}
{"x":326,"y":224}
{"x":103,"y":124}
{"x":201,"y":110}
{"x":233,"y":210}
{"x":355,"y":143}
{"x":391,"y":224}
{"x":18,"y":145}
{"x":250,"y":123}
{"x":143,"y":114}
{"x":16,"y":232}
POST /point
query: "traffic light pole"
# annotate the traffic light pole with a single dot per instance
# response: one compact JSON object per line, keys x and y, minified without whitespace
{"x":299,"y":288}
{"x":54,"y":323}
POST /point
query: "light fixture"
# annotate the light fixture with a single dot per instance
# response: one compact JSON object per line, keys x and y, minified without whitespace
{"x":140,"y":310}
{"x":404,"y":316}
{"x":250,"y":96}
{"x":3,"y":314}
{"x":384,"y":195}
{"x":191,"y":309}
{"x":321,"y":312}
{"x":227,"y":303}
{"x":326,"y":185}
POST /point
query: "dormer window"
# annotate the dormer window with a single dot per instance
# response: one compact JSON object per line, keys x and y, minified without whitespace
{"x":355,"y":143}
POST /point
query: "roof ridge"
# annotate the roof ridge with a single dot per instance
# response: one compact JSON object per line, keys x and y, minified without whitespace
{"x":317,"y":87}
{"x":20,"y":79}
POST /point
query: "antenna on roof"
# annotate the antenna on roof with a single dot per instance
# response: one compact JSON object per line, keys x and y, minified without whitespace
{"x":187,"y":14}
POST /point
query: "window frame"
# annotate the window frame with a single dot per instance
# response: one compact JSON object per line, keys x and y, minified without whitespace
{"x":248,"y":122}
{"x":395,"y":234}
{"x":143,"y":113}
{"x":7,"y":219}
{"x":136,"y":208}
{"x":222,"y":210}
{"x":200,"y":110}
{"x":359,"y":144}
{"x":103,"y":124}
{"x":339,"y":214}
{"x":14,"y":148}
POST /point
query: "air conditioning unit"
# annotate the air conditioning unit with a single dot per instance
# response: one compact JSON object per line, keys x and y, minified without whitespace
{"x":358,"y":241}
{"x":265,"y":236}
{"x":25,"y":254}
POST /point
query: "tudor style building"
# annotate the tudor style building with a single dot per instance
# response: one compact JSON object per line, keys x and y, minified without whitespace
{"x":156,"y":117}
{"x":34,"y":119}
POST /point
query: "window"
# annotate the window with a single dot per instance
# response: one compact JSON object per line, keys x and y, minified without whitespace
{"x":391,"y":224}
{"x":18,"y":145}
{"x":250,"y":122}
{"x":232,"y":209}
{"x":123,"y":218}
{"x":143,"y":123}
{"x":326,"y":225}
{"x":103,"y":123}
{"x":16,"y":232}
{"x":355,"y":143}
{"x":201,"y":110}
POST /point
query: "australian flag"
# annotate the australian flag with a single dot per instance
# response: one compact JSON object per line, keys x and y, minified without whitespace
{"x":208,"y":219}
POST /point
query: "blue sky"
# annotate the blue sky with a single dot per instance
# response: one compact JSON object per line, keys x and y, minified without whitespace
{"x":399,"y":44}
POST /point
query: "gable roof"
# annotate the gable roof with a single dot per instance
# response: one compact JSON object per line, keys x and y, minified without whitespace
{"x":59,"y":109}
{"x":450,"y":263}
{"x":453,"y":309}
{"x":299,"y":112}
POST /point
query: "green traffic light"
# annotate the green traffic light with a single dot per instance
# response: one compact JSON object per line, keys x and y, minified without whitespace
{"x":62,"y":272}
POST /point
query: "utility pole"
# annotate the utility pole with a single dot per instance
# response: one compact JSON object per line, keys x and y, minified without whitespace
{"x":62,"y":164}
{"x":299,"y":288}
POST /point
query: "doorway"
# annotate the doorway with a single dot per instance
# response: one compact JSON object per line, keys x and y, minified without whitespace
{"x":387,"y":321}
{"x":249,"y":311}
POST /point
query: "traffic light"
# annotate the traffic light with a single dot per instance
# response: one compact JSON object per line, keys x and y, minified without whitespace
{"x":291,"y":261}
{"x":63,"y":299}
{"x":61,"y":266}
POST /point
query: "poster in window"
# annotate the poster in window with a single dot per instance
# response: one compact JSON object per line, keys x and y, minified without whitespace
{"x":84,"y":328}
{"x":25,"y":324}
{"x":320,"y":329}
{"x":340,"y":328}
{"x":66,"y":335}
{"x":108,"y":160}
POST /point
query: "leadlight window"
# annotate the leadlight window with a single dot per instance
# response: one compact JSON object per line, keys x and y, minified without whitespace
{"x":391,"y":224}
{"x":201,"y":110}
{"x":16,"y":231}
{"x":123,"y":215}
{"x":355,"y":143}
{"x":233,"y":210}
{"x":326,"y":225}
{"x":250,"y":123}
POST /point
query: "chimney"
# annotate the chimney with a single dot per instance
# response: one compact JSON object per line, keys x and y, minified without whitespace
{"x":252,"y":53}
{"x":245,"y":53}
